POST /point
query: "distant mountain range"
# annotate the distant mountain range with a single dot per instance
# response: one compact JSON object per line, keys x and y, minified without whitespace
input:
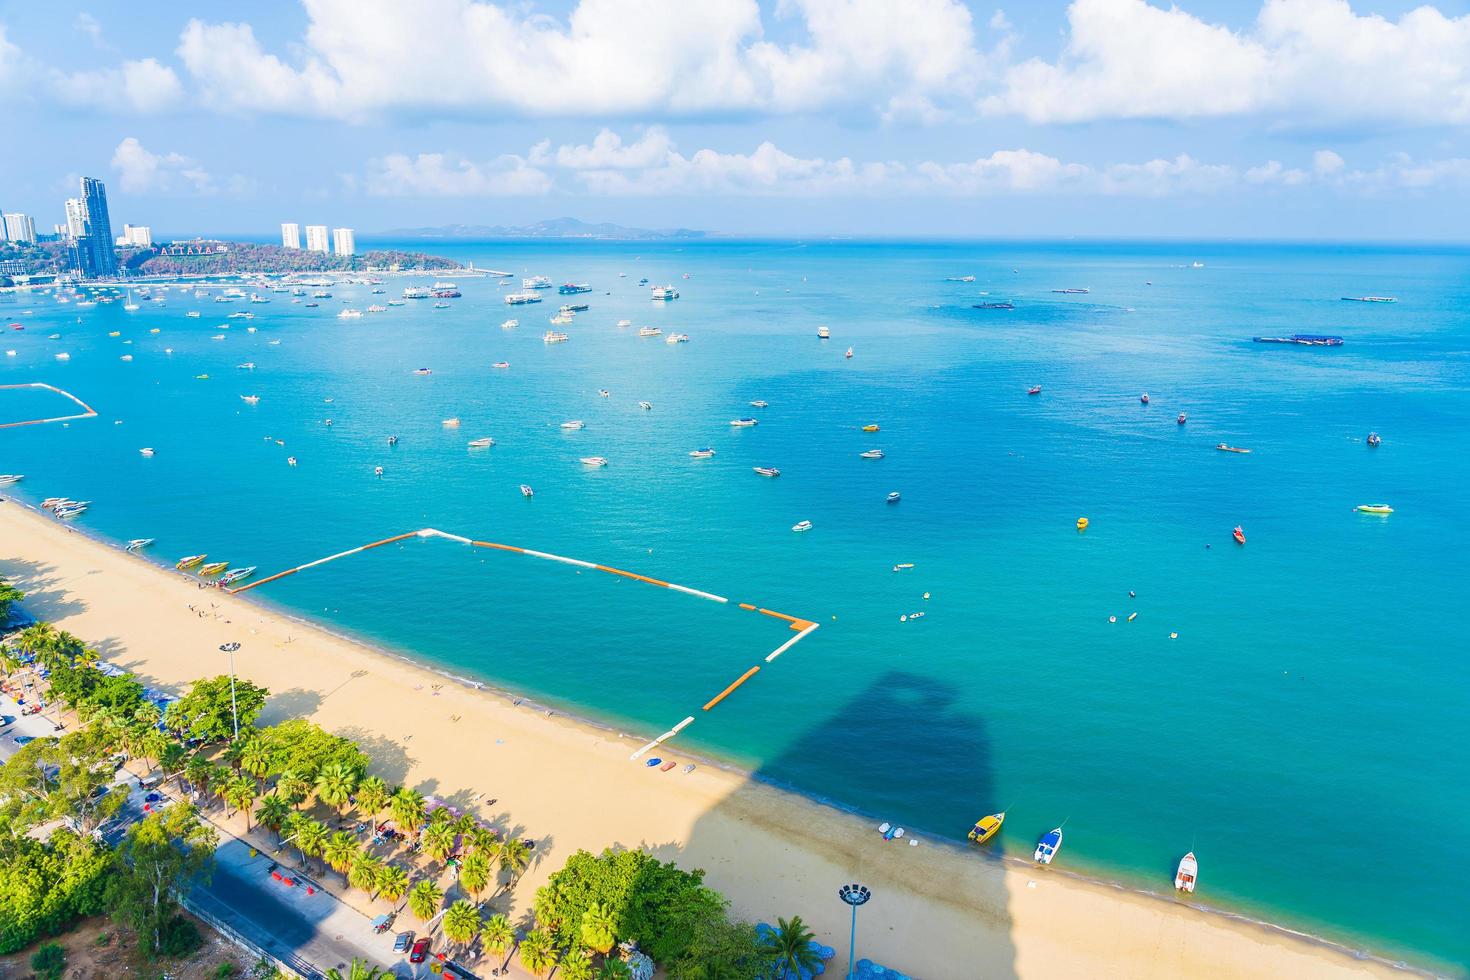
{"x":555,"y":228}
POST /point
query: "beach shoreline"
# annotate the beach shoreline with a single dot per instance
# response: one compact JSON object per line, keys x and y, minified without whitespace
{"x":568,"y":783}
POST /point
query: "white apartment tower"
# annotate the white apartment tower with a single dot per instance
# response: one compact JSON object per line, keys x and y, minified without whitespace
{"x":316,"y":239}
{"x":76,"y":218}
{"x":19,"y":228}
{"x":290,"y":234}
{"x":342,"y":241}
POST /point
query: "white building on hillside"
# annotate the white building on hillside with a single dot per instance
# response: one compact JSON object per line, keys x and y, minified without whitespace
{"x":290,"y":234}
{"x":316,"y":239}
{"x":342,"y":241}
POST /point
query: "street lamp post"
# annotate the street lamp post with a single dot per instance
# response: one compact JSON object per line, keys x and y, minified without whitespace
{"x":854,"y":895}
{"x":230,"y":648}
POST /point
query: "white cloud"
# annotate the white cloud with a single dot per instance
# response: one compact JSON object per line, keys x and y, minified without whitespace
{"x":1004,"y":170}
{"x":140,"y":171}
{"x":10,"y":60}
{"x":442,"y":175}
{"x":1303,"y":60}
{"x":90,"y":26}
{"x":607,"y":57}
{"x":136,"y":86}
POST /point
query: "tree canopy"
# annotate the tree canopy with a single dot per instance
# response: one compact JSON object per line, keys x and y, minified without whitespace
{"x":162,"y":855}
{"x":205,"y":712}
{"x":44,"y":887}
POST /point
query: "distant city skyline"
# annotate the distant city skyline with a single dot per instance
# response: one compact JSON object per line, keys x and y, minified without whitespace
{"x":1097,"y":118}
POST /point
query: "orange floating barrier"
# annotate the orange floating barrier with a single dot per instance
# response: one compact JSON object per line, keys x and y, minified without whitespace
{"x":729,"y":690}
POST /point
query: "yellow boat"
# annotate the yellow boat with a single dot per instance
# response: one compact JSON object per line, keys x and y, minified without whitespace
{"x":190,"y":561}
{"x":987,"y":827}
{"x":1081,"y":523}
{"x":870,"y":428}
{"x":1373,"y":509}
{"x":213,"y":568}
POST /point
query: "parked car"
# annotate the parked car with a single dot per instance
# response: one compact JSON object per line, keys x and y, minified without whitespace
{"x":24,"y":739}
{"x":420,"y":951}
{"x":6,"y":720}
{"x":403,"y":941}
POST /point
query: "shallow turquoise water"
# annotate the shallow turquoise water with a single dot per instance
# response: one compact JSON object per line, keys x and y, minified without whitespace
{"x":1304,"y":734}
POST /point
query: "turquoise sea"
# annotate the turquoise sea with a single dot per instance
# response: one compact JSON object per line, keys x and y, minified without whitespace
{"x":1305,"y":733}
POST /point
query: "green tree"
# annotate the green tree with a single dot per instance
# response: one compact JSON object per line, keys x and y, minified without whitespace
{"x":461,"y":923}
{"x":256,"y":759}
{"x":538,"y":952}
{"x":309,"y":836}
{"x":614,"y":970}
{"x":481,"y":840}
{"x":334,"y":785}
{"x":206,"y":711}
{"x":498,"y":935}
{"x":358,"y":970}
{"x":364,"y":872}
{"x":474,"y":873}
{"x":161,"y":856}
{"x":392,"y":882}
{"x":9,"y":596}
{"x":274,"y":813}
{"x":293,"y":788}
{"x":45,"y":887}
{"x":339,"y":852}
{"x":576,"y":965}
{"x":198,"y":771}
{"x":240,"y":794}
{"x":70,"y":777}
{"x":721,"y":950}
{"x":424,"y":899}
{"x":305,"y":748}
{"x":599,"y":928}
{"x":438,"y":840}
{"x":789,"y":947}
{"x":49,"y":961}
{"x":407,"y":807}
{"x":372,"y":796}
{"x":515,"y":857}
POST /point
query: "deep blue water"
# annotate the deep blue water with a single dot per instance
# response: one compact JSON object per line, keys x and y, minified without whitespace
{"x":1304,"y":734}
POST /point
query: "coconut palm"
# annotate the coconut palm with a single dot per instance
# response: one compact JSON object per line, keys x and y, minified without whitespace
{"x":498,"y":935}
{"x":197,"y":771}
{"x":274,"y":813}
{"x":407,"y":807}
{"x":790,"y":946}
{"x":339,"y":851}
{"x":240,"y":794}
{"x":481,"y":839}
{"x":474,"y":873}
{"x":392,"y":882}
{"x":514,"y":857}
{"x":293,"y":788}
{"x":372,"y":796}
{"x":334,"y":785}
{"x":613,"y":969}
{"x":438,"y":839}
{"x":364,"y":871}
{"x":424,"y":899}
{"x":358,"y":970}
{"x":576,"y":965}
{"x":461,"y":923}
{"x":599,"y":927}
{"x":538,"y":954}
{"x":172,"y":758}
{"x":147,"y":715}
{"x":255,"y":758}
{"x":152,"y":744}
{"x":309,"y":836}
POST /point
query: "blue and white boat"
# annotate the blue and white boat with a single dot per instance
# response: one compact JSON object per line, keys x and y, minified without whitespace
{"x":236,"y":574}
{"x":1047,"y":847}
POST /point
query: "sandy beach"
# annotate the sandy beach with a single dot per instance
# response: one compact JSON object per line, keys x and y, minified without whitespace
{"x":937,"y":911}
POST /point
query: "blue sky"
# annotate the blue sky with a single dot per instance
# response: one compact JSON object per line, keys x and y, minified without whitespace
{"x":1248,"y":119}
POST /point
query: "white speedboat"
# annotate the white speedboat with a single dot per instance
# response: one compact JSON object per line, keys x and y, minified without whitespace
{"x":6,"y":479}
{"x":482,"y":443}
{"x":236,"y":574}
{"x":802,"y":526}
{"x":573,"y":424}
{"x":192,"y":314}
{"x":501,"y":365}
{"x":760,"y":403}
{"x":603,"y":393}
{"x":1184,"y":877}
{"x":1047,"y":847}
{"x":646,"y":406}
{"x":526,"y":490}
{"x":625,"y":323}
{"x":766,"y":470}
{"x":247,"y":366}
{"x":146,"y":451}
{"x":824,"y":334}
{"x":510,"y":324}
{"x":138,"y":544}
{"x":744,"y":423}
{"x":872,"y":454}
{"x":593,"y":461}
{"x":250,"y":399}
{"x":450,"y":423}
{"x":703,"y":453}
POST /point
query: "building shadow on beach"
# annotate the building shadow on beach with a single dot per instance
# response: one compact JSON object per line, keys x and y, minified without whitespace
{"x":939,"y":909}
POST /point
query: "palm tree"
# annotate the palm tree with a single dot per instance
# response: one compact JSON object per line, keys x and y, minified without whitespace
{"x":438,"y":840}
{"x":474,"y":873}
{"x":392,"y":882}
{"x":39,"y":640}
{"x":407,"y":807}
{"x":197,"y":771}
{"x":538,"y":954}
{"x":310,"y":836}
{"x":576,"y":965}
{"x":614,"y":969}
{"x":790,"y":946}
{"x":424,"y":899}
{"x":171,"y":760}
{"x":334,"y":785}
{"x":461,"y":923}
{"x":599,"y":927}
{"x":240,"y":794}
{"x":292,"y":788}
{"x":255,"y":758}
{"x":152,"y":743}
{"x":514,"y":857}
{"x":372,"y":796}
{"x":359,"y":970}
{"x":481,"y":839}
{"x":339,"y":851}
{"x":497,"y":934}
{"x":364,"y":871}
{"x":274,"y":813}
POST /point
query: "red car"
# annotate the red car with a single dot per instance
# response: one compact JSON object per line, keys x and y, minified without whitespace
{"x":420,"y":951}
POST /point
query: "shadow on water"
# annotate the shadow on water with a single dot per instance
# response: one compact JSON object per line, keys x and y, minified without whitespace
{"x":939,"y":909}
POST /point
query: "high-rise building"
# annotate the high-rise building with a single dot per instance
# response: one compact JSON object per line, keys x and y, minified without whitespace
{"x":19,"y":228}
{"x":316,"y":239}
{"x":342,"y":241}
{"x":76,"y":219}
{"x":99,"y":227}
{"x":290,"y":234}
{"x":140,"y":236}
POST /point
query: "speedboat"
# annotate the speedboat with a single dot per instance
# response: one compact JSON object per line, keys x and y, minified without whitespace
{"x":422,"y":372}
{"x":247,"y":366}
{"x":236,"y":574}
{"x":1184,"y":878}
{"x":649,"y":331}
{"x":1034,"y":390}
{"x":450,"y":423}
{"x":213,"y":568}
{"x":1143,"y":398}
{"x":646,"y":406}
{"x":1373,"y":509}
{"x":1238,"y":535}
{"x":744,"y":423}
{"x":802,"y":526}
{"x":1231,"y":449}
{"x":146,"y":451}
{"x":702,"y":453}
{"x":73,"y":511}
{"x":766,"y":470}
{"x":501,"y":365}
{"x":894,"y":497}
{"x":1047,"y":847}
{"x":987,"y":827}
{"x":870,"y":428}
{"x":510,"y":324}
{"x":903,"y":566}
{"x":138,"y":544}
{"x":6,"y":479}
{"x":823,"y":333}
{"x":760,"y":403}
{"x":392,"y":440}
{"x":483,"y":443}
{"x":189,"y":562}
{"x":1374,"y":439}
{"x":625,"y":323}
{"x":573,"y":425}
{"x":603,"y":393}
{"x":526,"y":490}
{"x":250,"y":399}
{"x":192,"y":314}
{"x":872,"y":454}
{"x":593,"y":461}
{"x":1182,"y":418}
